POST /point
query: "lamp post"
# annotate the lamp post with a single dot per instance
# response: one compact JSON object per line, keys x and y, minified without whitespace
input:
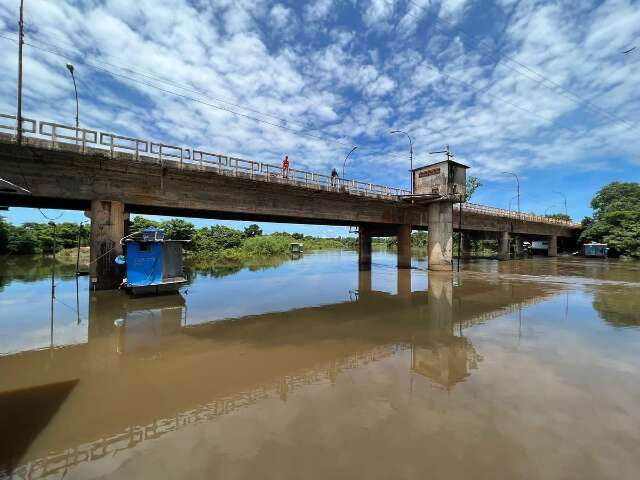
{"x":20,"y":43}
{"x":345,"y":160}
{"x":518,"y":182}
{"x":71,"y":70}
{"x":410,"y":152}
{"x":565,"y":201}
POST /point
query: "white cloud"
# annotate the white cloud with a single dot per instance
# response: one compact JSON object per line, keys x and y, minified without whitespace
{"x":378,"y":12}
{"x":339,"y":82}
{"x":318,"y":9}
{"x":281,"y":16}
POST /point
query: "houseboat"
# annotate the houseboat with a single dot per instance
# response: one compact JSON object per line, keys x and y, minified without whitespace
{"x":594,"y":249}
{"x":153,"y":264}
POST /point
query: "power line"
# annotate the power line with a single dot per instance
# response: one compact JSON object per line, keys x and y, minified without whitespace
{"x":187,"y":97}
{"x":197,"y":100}
{"x":541,"y":79}
{"x":69,"y":55}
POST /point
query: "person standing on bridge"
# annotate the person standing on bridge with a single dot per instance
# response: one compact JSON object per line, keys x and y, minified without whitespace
{"x":285,"y":167}
{"x":334,"y":177}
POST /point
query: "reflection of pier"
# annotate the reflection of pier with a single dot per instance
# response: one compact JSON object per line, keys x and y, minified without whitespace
{"x":145,"y":371}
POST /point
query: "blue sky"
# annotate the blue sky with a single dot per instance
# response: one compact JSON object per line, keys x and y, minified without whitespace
{"x":539,"y":88}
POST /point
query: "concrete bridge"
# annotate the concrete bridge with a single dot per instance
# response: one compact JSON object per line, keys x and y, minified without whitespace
{"x":111,"y":176}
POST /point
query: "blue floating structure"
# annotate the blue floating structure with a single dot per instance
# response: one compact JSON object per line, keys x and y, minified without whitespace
{"x":154,"y":265}
{"x":594,"y":249}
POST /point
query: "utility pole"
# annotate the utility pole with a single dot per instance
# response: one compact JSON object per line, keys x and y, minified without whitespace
{"x":20,"y":43}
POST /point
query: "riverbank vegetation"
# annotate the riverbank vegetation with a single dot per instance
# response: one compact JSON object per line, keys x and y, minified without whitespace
{"x":616,"y":219}
{"x":217,"y":242}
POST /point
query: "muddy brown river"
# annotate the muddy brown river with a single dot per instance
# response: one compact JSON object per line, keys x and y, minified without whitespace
{"x":308,"y":368}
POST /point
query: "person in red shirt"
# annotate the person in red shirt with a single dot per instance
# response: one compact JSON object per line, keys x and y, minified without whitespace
{"x":285,"y":166}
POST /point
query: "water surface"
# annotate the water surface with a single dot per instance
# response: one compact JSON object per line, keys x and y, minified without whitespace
{"x":310,"y":368}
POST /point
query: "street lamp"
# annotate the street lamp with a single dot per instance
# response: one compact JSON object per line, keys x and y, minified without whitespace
{"x":410,"y":152}
{"x":345,"y":160}
{"x":565,"y":201}
{"x":71,"y":70}
{"x":518,"y":182}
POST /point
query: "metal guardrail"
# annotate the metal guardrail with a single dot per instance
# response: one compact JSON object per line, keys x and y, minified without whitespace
{"x":500,"y":212}
{"x":12,"y":126}
{"x":61,"y":135}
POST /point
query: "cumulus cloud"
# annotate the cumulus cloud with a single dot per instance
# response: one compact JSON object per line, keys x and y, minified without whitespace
{"x":541,"y":85}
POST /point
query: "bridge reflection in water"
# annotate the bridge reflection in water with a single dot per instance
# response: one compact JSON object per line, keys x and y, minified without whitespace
{"x":146,"y":371}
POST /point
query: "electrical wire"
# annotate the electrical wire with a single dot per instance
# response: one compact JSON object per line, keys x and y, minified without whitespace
{"x":187,"y":97}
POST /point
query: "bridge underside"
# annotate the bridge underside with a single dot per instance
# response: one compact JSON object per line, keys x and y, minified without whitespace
{"x":112,"y":186}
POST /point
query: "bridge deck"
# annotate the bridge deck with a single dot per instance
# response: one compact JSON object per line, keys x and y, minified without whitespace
{"x":157,"y":178}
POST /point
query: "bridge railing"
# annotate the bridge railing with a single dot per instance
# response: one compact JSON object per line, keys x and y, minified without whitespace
{"x":61,"y":135}
{"x":28,"y":125}
{"x":500,"y":212}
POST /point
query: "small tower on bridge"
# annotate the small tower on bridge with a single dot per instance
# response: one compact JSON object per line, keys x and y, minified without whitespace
{"x":444,"y":180}
{"x":440,"y":185}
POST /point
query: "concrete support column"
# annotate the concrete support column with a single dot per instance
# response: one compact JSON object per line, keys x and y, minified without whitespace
{"x":466,"y":245}
{"x":364,"y":247}
{"x":404,"y":283}
{"x":517,"y":250}
{"x":503,"y":246}
{"x":404,"y":246}
{"x":440,"y":243}
{"x":364,"y":281}
{"x":107,"y":228}
{"x":553,"y":246}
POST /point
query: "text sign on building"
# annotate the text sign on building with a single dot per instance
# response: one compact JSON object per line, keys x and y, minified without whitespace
{"x":429,"y":173}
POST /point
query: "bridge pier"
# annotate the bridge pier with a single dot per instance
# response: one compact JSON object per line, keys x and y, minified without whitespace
{"x":404,"y":283}
{"x":364,"y":246}
{"x":503,"y":246}
{"x":364,"y":280}
{"x":403,"y":238}
{"x":466,"y":245}
{"x":107,"y":229}
{"x":553,"y":246}
{"x":440,"y":241}
{"x":517,"y":246}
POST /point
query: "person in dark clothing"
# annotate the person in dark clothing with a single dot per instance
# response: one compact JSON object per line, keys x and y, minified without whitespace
{"x":334,"y":177}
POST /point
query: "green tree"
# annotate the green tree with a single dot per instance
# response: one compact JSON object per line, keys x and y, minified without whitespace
{"x":22,"y":241}
{"x":211,"y":240}
{"x":140,"y":223}
{"x":616,"y":218}
{"x":178,"y":229}
{"x":252,"y":230}
{"x":473,"y":184}
{"x":4,"y":235}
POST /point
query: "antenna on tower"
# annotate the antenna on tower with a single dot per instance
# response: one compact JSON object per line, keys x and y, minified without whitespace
{"x":447,"y":151}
